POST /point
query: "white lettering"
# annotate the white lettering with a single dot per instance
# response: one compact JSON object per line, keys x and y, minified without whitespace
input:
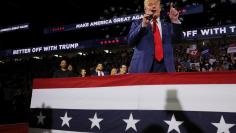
{"x":84,"y":25}
{"x":120,"y":20}
{"x":216,"y":30}
{"x":68,"y":46}
{"x":194,"y":32}
{"x":50,"y":48}
{"x":99,"y":23}
{"x":205,"y":32}
{"x":223,"y":30}
{"x":38,"y":49}
{"x":184,"y":33}
{"x":137,"y":17}
{"x":21,"y":51}
{"x":14,"y":28}
{"x":232,"y":28}
{"x":211,"y":30}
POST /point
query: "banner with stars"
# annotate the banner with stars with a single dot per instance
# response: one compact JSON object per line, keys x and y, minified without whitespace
{"x":142,"y":103}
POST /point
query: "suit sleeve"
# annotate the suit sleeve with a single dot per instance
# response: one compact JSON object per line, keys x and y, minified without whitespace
{"x":135,"y":34}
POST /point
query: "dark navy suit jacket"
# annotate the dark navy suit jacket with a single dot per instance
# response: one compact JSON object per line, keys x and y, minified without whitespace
{"x":143,"y":41}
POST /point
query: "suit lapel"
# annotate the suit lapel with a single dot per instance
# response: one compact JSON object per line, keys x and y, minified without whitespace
{"x":151,"y":31}
{"x":163,"y":26}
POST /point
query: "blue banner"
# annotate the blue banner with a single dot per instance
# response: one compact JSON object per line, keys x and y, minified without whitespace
{"x":63,"y":47}
{"x":210,"y":32}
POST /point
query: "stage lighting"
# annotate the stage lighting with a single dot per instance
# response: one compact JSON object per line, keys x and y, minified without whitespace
{"x":106,"y":51}
{"x":80,"y":53}
{"x":37,"y":58}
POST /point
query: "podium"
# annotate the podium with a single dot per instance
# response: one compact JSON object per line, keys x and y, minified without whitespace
{"x":156,"y":102}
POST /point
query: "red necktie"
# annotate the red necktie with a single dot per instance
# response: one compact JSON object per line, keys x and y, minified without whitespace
{"x":157,"y":41}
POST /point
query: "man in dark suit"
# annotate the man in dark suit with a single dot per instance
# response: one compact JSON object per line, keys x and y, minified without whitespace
{"x":99,"y":70}
{"x":152,"y":38}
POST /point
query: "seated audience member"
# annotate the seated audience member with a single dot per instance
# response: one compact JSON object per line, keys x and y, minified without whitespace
{"x":233,"y":60}
{"x":71,"y":69}
{"x":123,"y":70}
{"x":193,"y":68}
{"x":113,"y":71}
{"x":82,"y":73}
{"x":179,"y":68}
{"x":99,"y":70}
{"x":63,"y":71}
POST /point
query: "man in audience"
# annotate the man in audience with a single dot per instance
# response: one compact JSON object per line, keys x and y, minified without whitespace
{"x":123,"y":69}
{"x":99,"y":70}
{"x":63,"y":71}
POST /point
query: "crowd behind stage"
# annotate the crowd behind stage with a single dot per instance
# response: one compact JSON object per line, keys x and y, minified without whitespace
{"x":16,"y":76}
{"x":188,"y":58}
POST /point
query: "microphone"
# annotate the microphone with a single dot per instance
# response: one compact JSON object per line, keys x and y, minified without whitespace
{"x":150,"y":17}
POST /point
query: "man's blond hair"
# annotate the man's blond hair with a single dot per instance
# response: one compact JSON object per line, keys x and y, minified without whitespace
{"x":146,"y":2}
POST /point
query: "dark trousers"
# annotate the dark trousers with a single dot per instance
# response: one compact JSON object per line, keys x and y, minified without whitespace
{"x":158,"y":66}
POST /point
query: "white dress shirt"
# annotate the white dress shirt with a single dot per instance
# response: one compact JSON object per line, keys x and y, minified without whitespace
{"x":158,"y":25}
{"x":100,"y":73}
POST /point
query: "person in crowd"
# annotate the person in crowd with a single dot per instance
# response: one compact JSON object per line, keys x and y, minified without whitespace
{"x":71,"y":69}
{"x":233,"y":60}
{"x":193,"y":68}
{"x":62,"y":72}
{"x":152,"y":38}
{"x":99,"y":70}
{"x":83,"y":73}
{"x":179,"y":68}
{"x":123,"y":69}
{"x":206,"y":66}
{"x":113,"y":71}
